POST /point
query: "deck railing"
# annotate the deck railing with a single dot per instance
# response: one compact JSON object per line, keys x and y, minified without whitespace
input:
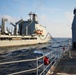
{"x":53,"y":56}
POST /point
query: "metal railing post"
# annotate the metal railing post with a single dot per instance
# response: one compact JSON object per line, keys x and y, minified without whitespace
{"x":58,"y":52}
{"x":43,"y":65}
{"x":69,"y":49}
{"x":37,"y":65}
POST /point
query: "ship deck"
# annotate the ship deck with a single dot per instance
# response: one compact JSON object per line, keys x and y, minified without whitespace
{"x":66,"y":65}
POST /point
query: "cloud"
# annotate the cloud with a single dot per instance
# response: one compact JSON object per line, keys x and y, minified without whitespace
{"x":10,"y":18}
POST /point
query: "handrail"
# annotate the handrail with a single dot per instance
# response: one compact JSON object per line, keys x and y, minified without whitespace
{"x":23,"y":71}
{"x":17,"y":61}
{"x":46,"y":68}
{"x":53,"y":57}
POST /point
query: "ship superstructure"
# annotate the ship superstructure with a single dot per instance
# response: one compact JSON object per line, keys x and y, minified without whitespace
{"x":25,"y":33}
{"x":74,"y":30}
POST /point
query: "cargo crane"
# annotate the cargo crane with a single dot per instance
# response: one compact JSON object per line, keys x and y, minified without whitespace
{"x":15,"y":26}
{"x":0,"y":29}
{"x":3,"y":26}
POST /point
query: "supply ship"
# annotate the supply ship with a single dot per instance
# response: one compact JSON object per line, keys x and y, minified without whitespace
{"x":28,"y":32}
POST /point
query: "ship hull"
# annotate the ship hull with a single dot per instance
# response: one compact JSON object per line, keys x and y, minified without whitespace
{"x":27,"y":40}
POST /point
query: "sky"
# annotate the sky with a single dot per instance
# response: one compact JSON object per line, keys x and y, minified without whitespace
{"x":55,"y":15}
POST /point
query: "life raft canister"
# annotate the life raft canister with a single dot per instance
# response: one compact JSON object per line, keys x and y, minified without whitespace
{"x":46,"y":60}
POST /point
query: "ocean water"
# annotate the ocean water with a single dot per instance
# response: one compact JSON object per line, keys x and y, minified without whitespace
{"x":29,"y":52}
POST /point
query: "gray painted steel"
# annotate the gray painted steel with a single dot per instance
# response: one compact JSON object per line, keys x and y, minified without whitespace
{"x":74,"y":30}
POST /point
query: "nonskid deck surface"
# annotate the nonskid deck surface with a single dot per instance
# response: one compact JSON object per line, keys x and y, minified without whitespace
{"x":66,"y":66}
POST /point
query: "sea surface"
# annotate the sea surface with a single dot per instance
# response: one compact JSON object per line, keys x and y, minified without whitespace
{"x":29,"y":52}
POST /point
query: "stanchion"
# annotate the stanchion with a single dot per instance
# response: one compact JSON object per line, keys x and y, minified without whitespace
{"x":69,"y":49}
{"x":37,"y":66}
